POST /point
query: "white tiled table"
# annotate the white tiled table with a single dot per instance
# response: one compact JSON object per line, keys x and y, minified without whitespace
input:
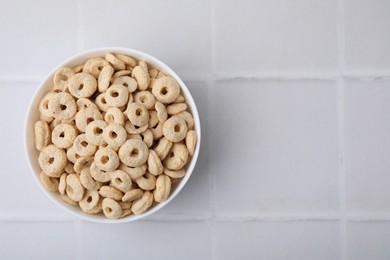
{"x":294,"y":99}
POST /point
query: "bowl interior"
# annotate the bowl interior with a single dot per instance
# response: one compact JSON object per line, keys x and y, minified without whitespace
{"x":33,"y":115}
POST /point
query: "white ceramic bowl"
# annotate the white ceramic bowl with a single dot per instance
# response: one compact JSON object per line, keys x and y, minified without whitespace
{"x":33,"y":115}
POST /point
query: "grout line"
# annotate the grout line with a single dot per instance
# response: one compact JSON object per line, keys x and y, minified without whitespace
{"x":364,"y":217}
{"x":213,"y":238}
{"x":80,"y":26}
{"x":34,"y":218}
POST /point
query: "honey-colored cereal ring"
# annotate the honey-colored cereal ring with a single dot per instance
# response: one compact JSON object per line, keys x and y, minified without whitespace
{"x":69,"y":168}
{"x":50,"y":183}
{"x":52,"y":160}
{"x":153,"y":119}
{"x":153,"y":73}
{"x":42,"y":135}
{"x":175,"y":174}
{"x":91,"y":200}
{"x":145,"y":98}
{"x":94,"y":66}
{"x":137,"y":114}
{"x":44,"y":105}
{"x":94,"y":132}
{"x":47,"y":119}
{"x":128,"y":82}
{"x":61,"y":78}
{"x":116,"y":63}
{"x":142,"y":77}
{"x":179,"y":99}
{"x":125,"y":206}
{"x":71,"y":154}
{"x":126,"y":212}
{"x":155,"y":166}
{"x":62,"y":106}
{"x":68,"y":200}
{"x":162,"y":113}
{"x":163,"y":147}
{"x":120,"y":73}
{"x":63,"y":135}
{"x":74,"y":189}
{"x":134,"y":130}
{"x":116,"y":95}
{"x":82,"y":147}
{"x":115,"y":135}
{"x":176,"y":108}
{"x":81,"y":163}
{"x":85,"y":103}
{"x":101,"y":102}
{"x":143,"y":65}
{"x":177,"y":158}
{"x":147,"y":137}
{"x":133,"y":172}
{"x":127,"y":60}
{"x":106,"y":159}
{"x":146,"y":182}
{"x":111,"y":209}
{"x":188,"y":118}
{"x":133,"y":136}
{"x":166,"y":89}
{"x":110,"y":192}
{"x":87,"y":181}
{"x":163,"y":188}
{"x":121,"y":180}
{"x":191,"y":141}
{"x":133,"y":153}
{"x":99,"y":175}
{"x":142,"y":204}
{"x":157,"y":131}
{"x":175,"y":129}
{"x":78,"y":68}
{"x":105,"y":78}
{"x":132,"y":195}
{"x":114,"y":116}
{"x":62,"y":184}
{"x":86,"y":116}
{"x":82,"y":85}
{"x":160,"y":75}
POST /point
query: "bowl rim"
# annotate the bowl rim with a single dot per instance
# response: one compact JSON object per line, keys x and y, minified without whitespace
{"x":98,"y":52}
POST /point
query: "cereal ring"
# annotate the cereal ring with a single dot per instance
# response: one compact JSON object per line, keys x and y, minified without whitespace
{"x":114,"y":116}
{"x":133,"y":172}
{"x":111,"y":209}
{"x":188,"y":118}
{"x":176,"y":108}
{"x":47,"y":119}
{"x":130,"y":136}
{"x":145,"y":98}
{"x":127,"y":60}
{"x":82,"y":147}
{"x":147,"y":137}
{"x":142,"y":204}
{"x":71,"y":154}
{"x":62,"y":184}
{"x":52,"y":160}
{"x":153,"y":119}
{"x":44,"y":105}
{"x":163,"y":147}
{"x":87,"y":181}
{"x":69,"y":168}
{"x":63,"y":135}
{"x":126,"y":212}
{"x":68,"y":200}
{"x":154,"y":163}
{"x":146,"y":182}
{"x":91,"y":200}
{"x":94,"y":66}
{"x":82,"y":85}
{"x":61,"y":78}
{"x":137,"y":114}
{"x":115,"y":135}
{"x":101,"y":102}
{"x":142,"y":77}
{"x":121,"y":180}
{"x":94,"y":132}
{"x":143,"y":65}
{"x":162,"y":113}
{"x":78,"y":68}
{"x":153,"y":73}
{"x":166,"y":89}
{"x":134,"y":130}
{"x":175,"y":129}
{"x":120,"y":73}
{"x":132,"y":195}
{"x":157,"y":131}
{"x":125,"y":205}
{"x":84,"y":103}
{"x":179,"y":99}
{"x":175,"y":174}
{"x":160,"y":75}
{"x":62,"y":106}
{"x":116,"y":95}
{"x":128,"y":82}
{"x":191,"y":142}
{"x":74,"y":189}
{"x":133,"y":153}
{"x":177,"y":158}
{"x":116,"y":63}
{"x":81,"y":163}
{"x":42,"y":135}
{"x":86,"y":116}
{"x":105,"y":78}
{"x":50,"y":183}
{"x":110,"y":192}
{"x":163,"y":188}
{"x":99,"y":175}
{"x":106,"y":159}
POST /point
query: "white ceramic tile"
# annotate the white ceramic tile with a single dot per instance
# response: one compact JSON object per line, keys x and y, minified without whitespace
{"x":367,"y":30}
{"x":177,"y":32}
{"x":278,"y":240}
{"x":274,"y":147}
{"x":17,"y":185}
{"x":369,"y":240}
{"x":39,"y":240}
{"x":367,"y":142}
{"x":194,"y":199}
{"x":146,"y":240}
{"x":36,"y":36}
{"x":259,"y":37}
